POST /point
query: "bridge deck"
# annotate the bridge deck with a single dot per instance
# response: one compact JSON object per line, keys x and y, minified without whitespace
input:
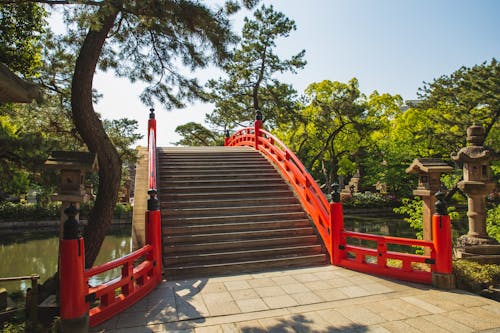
{"x":319,"y":299}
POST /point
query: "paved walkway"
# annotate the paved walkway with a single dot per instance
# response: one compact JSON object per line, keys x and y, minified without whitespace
{"x":320,"y":299}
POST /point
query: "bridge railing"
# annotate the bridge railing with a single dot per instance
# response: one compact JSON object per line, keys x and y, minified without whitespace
{"x":311,"y":196}
{"x":347,"y":248}
{"x":81,"y":304}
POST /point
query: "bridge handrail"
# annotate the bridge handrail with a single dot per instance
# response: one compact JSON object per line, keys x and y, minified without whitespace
{"x":311,"y":196}
{"x":129,"y":258}
{"x":389,"y":239}
{"x":329,"y":220}
{"x":141,"y":270}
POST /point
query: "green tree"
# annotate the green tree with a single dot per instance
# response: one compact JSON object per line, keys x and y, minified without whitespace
{"x":328,"y":129}
{"x":251,"y":84}
{"x":194,"y":134}
{"x":140,"y":40}
{"x":21,"y":28}
{"x":467,"y":96}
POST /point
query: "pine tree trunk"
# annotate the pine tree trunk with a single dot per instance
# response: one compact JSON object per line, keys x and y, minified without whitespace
{"x":90,"y":128}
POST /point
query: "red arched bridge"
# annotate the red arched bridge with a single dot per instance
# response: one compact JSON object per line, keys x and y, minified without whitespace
{"x":248,"y":206}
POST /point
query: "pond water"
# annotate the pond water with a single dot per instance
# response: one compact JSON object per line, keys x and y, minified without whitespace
{"x":29,"y":253}
{"x":36,"y":252}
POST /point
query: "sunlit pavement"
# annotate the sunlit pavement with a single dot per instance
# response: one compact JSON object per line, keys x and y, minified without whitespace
{"x":319,"y":299}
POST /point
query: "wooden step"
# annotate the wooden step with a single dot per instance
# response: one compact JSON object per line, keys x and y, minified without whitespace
{"x":225,"y":188}
{"x":221,"y":175}
{"x":255,"y":217}
{"x":220,"y":182}
{"x":236,"y":236}
{"x":228,"y":202}
{"x":170,"y":196}
{"x":229,"y":211}
{"x":228,"y":227}
{"x":243,"y":255}
{"x":231,"y":246}
{"x":226,"y":211}
{"x":178,"y":272}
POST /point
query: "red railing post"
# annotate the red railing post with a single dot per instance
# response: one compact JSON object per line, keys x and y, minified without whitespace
{"x":442,"y":275}
{"x":73,"y":289}
{"x":257,"y":127}
{"x":152,"y":149}
{"x":226,"y":139}
{"x":336,"y":227}
{"x":153,"y":233}
{"x":153,"y":217}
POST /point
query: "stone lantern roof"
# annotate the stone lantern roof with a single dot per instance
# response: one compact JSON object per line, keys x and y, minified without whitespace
{"x":14,"y":89}
{"x":428,"y":165}
{"x":72,"y":160}
{"x":474,"y":151}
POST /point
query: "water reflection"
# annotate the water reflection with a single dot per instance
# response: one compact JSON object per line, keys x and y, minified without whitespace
{"x":26,"y":254}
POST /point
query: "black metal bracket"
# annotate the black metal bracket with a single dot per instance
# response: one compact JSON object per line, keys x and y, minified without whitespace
{"x":90,"y":298}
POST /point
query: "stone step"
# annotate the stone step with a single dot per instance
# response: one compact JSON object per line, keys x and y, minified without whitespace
{"x":482,"y":258}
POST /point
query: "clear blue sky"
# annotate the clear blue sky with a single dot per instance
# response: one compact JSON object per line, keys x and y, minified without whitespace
{"x":388,"y":45}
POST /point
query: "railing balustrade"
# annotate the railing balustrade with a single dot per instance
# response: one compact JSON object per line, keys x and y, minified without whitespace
{"x":83,"y":305}
{"x":328,"y":220}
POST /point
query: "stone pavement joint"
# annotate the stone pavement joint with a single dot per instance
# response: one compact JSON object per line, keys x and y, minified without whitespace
{"x":318,"y":299}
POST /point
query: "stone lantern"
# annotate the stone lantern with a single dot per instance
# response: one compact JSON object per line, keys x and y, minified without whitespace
{"x":476,"y":184}
{"x":72,"y":166}
{"x":429,"y":171}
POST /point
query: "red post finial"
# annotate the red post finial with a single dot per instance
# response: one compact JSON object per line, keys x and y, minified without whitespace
{"x":257,"y":127}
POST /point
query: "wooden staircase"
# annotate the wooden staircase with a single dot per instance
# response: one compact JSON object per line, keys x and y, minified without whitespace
{"x":226,"y":210}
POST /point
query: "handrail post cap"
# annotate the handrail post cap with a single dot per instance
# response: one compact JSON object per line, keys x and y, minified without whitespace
{"x":335,"y":192}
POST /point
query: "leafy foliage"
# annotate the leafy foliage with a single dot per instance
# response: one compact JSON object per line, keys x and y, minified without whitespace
{"x":251,"y":85}
{"x":493,"y":222}
{"x":33,"y":212}
{"x":413,"y":210}
{"x":467,"y":96}
{"x":21,"y":28}
{"x":194,"y":134}
{"x":475,"y":277}
{"x":368,"y":200}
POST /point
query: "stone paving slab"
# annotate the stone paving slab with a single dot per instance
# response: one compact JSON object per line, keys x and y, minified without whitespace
{"x":318,"y":299}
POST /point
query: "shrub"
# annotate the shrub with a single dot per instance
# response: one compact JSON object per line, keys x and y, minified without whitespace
{"x":32,"y":212}
{"x":25,"y":212}
{"x":493,"y":222}
{"x":368,"y":200}
{"x":475,"y":277}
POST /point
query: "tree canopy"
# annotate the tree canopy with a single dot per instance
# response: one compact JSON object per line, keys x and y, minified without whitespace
{"x":144,"y":41}
{"x":251,"y":84}
{"x":21,"y":29}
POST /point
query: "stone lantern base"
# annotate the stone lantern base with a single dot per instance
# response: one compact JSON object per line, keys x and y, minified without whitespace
{"x":483,"y":253}
{"x":472,"y":240}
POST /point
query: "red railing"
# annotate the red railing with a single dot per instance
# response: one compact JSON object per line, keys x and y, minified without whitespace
{"x":311,"y":196}
{"x":141,"y":271}
{"x":328,"y":219}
